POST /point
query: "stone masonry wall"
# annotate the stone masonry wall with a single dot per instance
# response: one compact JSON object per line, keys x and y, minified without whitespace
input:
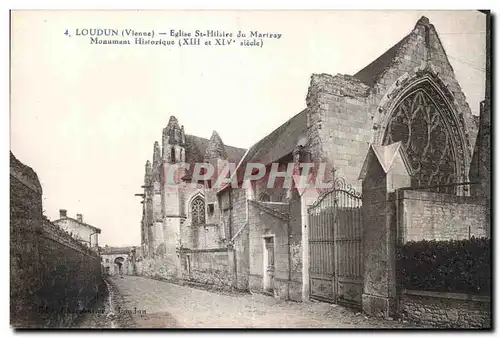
{"x":155,"y":268}
{"x":446,"y":310}
{"x":199,"y":236}
{"x":434,"y":216}
{"x":25,"y":228}
{"x":234,"y":225}
{"x":108,"y":264}
{"x":378,"y":244}
{"x":241,"y":242}
{"x":411,"y":57}
{"x":263,"y":224}
{"x":205,"y":236}
{"x":209,"y":266}
{"x":71,"y":277}
{"x":50,"y":271}
{"x":296,"y":245}
{"x":345,"y":115}
{"x":339,"y":127}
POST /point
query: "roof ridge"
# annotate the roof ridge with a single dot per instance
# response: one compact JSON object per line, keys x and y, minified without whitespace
{"x":208,"y":140}
{"x":275,"y":131}
{"x":259,"y":145}
{"x":74,"y":219}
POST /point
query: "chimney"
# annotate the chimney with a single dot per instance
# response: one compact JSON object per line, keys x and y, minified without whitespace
{"x":79,"y":218}
{"x":62,"y":213}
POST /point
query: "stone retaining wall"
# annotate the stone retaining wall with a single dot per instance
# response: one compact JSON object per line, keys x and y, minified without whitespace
{"x":445,"y":310}
{"x":209,"y":266}
{"x":52,"y":275}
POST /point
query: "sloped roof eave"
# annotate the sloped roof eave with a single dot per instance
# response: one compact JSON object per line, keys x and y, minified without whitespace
{"x":77,"y":221}
{"x":370,"y":74}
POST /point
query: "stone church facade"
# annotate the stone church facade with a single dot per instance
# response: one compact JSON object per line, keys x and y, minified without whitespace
{"x":256,"y":238}
{"x":408,"y":94}
{"x":188,"y":217}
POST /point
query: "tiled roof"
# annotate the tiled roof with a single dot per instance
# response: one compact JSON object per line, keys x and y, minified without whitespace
{"x":77,"y":221}
{"x":197,"y":146}
{"x":278,"y":144}
{"x":385,"y":156}
{"x":370,"y":74}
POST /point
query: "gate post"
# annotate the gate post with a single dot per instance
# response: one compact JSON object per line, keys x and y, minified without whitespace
{"x":385,"y":169}
{"x":308,"y":196}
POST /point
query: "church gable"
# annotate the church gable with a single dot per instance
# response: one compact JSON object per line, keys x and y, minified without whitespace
{"x":421,"y":50}
{"x":440,"y":60}
{"x":417,"y":100}
{"x":408,"y":94}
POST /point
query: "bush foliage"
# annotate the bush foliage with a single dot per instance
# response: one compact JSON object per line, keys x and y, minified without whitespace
{"x":462,"y":266}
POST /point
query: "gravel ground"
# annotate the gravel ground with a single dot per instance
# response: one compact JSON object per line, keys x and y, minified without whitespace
{"x":104,"y":315}
{"x":140,"y":302}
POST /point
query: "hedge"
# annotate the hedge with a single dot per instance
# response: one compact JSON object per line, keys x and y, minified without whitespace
{"x":461,"y":266}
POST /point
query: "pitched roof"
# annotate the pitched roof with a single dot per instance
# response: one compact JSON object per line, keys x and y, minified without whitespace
{"x":77,"y":221}
{"x":385,"y":156}
{"x":276,"y":145}
{"x":197,"y":146}
{"x":370,"y":74}
{"x":280,"y":142}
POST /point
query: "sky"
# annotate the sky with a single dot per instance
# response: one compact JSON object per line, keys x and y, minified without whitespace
{"x":85,"y":117}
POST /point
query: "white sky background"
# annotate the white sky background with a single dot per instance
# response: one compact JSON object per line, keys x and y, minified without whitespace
{"x":85,"y":117}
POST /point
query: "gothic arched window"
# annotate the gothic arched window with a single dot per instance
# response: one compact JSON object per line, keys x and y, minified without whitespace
{"x":172,"y":155}
{"x":420,"y":125}
{"x":198,"y":211}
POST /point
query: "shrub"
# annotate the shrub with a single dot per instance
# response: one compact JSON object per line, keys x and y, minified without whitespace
{"x":462,"y":266}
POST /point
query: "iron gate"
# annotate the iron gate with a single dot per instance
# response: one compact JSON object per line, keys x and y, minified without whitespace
{"x":335,"y":246}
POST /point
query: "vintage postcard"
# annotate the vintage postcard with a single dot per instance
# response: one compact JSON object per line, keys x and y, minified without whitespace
{"x":250,"y":169}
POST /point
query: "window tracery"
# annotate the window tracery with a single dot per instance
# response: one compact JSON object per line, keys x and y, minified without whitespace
{"x":419,"y":124}
{"x":198,"y":211}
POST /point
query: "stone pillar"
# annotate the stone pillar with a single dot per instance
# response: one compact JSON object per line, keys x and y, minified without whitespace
{"x":384,"y":171}
{"x":305,"y":248}
{"x":231,"y":264}
{"x":308,"y":197}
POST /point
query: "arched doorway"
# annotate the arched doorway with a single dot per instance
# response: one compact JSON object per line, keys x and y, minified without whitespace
{"x":119,"y":261}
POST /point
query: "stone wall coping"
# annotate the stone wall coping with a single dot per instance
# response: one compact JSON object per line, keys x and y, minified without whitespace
{"x":203,"y":225}
{"x":187,"y":250}
{"x":53,"y":232}
{"x":440,"y":197}
{"x":269,"y":210}
{"x":27,"y":181}
{"x":446,"y":295}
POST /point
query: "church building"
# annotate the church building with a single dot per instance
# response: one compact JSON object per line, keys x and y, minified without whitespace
{"x":256,"y":238}
{"x":187,"y":217}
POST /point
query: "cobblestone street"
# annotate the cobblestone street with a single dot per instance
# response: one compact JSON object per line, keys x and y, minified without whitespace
{"x":142,"y":303}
